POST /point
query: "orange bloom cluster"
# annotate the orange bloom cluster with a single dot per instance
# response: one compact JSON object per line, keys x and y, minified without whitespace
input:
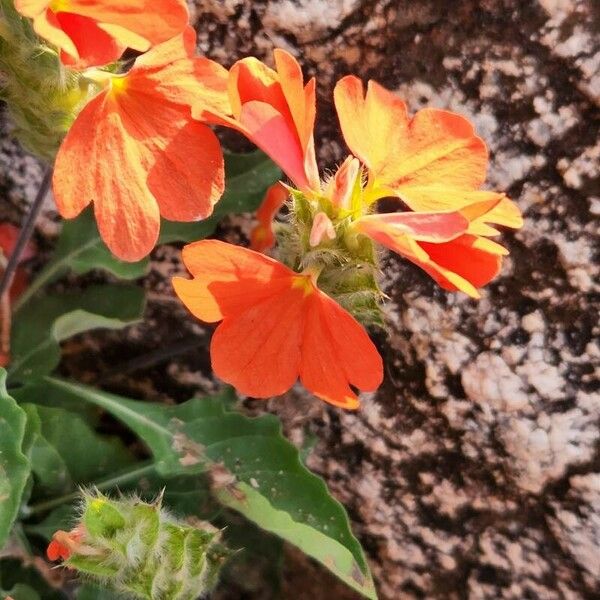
{"x":141,"y":149}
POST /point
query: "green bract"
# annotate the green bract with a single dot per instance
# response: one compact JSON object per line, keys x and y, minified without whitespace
{"x":140,"y":549}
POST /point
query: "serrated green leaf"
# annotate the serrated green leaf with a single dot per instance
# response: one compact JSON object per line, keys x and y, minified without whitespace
{"x":261,"y":474}
{"x":248,"y":178}
{"x":42,"y":324}
{"x":14,"y":464}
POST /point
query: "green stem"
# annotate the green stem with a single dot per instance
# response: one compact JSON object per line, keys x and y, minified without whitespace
{"x":125,"y":477}
{"x":44,"y":276}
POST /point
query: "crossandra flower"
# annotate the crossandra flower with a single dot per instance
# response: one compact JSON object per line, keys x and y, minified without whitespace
{"x":275,"y":326}
{"x":96,"y":32}
{"x":433,"y":164}
{"x":136,"y":153}
{"x":276,"y":111}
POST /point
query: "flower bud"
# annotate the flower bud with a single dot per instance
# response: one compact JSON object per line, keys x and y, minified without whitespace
{"x":139,"y":549}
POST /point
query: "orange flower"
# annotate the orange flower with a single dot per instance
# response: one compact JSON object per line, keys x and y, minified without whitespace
{"x":64,"y":543}
{"x":432,"y":162}
{"x":276,"y":111}
{"x":262,"y":237}
{"x":96,"y":32}
{"x":275,"y":326}
{"x":135,"y":151}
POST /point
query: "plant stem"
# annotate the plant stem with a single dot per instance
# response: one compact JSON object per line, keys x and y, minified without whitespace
{"x":125,"y":477}
{"x":25,"y":233}
{"x":43,"y":277}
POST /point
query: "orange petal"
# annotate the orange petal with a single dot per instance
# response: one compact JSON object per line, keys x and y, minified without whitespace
{"x":434,"y":146}
{"x":466,"y":258}
{"x":291,"y":80}
{"x":187,"y":177}
{"x":31,"y":8}
{"x":441,"y":146}
{"x":95,"y":32}
{"x":262,"y":237}
{"x":337,"y":353}
{"x":46,"y":25}
{"x":302,"y":105}
{"x":371,"y":125}
{"x":258,"y":351}
{"x":276,"y":112}
{"x":94,"y":45}
{"x":431,"y":227}
{"x":227,"y":279}
{"x":271,"y":132}
{"x":134,"y":149}
{"x":57,"y":551}
{"x":8,"y":238}
{"x":276,"y":326}
{"x":154,"y":20}
{"x":101,"y":160}
{"x":171,"y":71}
{"x":251,"y":80}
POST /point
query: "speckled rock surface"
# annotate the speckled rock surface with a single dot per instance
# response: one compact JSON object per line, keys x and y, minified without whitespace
{"x":475,"y":471}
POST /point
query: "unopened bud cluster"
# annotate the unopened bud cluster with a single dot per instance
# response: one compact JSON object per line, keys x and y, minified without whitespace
{"x":141,"y":550}
{"x":318,"y":236}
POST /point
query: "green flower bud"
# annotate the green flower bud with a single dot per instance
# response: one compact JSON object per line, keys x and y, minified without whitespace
{"x":347,"y":264}
{"x":140,"y":549}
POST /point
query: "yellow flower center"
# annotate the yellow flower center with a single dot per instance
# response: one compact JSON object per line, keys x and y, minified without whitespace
{"x":118,"y":84}
{"x":303,"y":283}
{"x":57,"y":6}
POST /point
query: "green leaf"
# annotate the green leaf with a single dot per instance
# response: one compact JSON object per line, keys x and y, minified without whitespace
{"x":256,"y":470}
{"x":63,"y":517}
{"x":81,"y":250}
{"x":14,"y":464}
{"x":42,"y":324}
{"x":248,"y":178}
{"x":68,"y":452}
